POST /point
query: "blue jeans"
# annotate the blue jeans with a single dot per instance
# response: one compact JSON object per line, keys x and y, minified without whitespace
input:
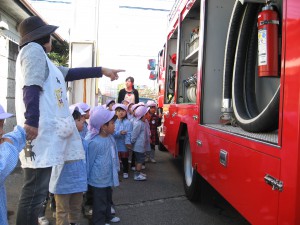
{"x":33,"y":195}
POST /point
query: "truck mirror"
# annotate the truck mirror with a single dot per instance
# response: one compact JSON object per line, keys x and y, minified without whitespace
{"x":153,"y":75}
{"x":151,"y":65}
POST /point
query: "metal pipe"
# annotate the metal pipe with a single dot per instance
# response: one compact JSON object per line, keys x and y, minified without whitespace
{"x":252,"y":1}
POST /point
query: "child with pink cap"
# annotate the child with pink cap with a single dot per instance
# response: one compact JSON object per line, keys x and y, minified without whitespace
{"x":132,"y":120}
{"x":140,"y":140}
{"x":110,"y":103}
{"x":86,"y":109}
{"x":103,"y":163}
{"x":154,"y":123}
{"x":123,"y":128}
{"x":129,"y":111}
{"x":11,"y":144}
{"x":125,"y":102}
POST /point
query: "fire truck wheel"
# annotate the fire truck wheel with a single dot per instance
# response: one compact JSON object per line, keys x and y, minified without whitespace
{"x":191,"y":178}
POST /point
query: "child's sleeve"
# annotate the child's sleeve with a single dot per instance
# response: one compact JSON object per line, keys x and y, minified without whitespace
{"x":116,"y":134}
{"x":9,"y":153}
{"x":85,"y":144}
{"x":135,"y":131}
{"x":91,"y":155}
{"x":117,"y":131}
{"x":128,"y":134}
{"x":117,"y":161}
{"x":9,"y":156}
{"x":18,"y":138}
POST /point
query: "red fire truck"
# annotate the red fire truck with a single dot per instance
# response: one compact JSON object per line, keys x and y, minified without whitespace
{"x":229,"y":86}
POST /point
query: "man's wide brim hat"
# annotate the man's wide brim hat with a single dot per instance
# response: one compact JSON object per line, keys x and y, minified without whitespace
{"x":34,"y":28}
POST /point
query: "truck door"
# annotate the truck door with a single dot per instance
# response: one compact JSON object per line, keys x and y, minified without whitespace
{"x":171,"y":127}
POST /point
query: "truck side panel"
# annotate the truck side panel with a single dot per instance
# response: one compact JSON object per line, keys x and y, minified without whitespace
{"x":241,"y":180}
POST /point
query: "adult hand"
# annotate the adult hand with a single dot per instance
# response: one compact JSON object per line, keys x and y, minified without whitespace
{"x":111,"y":73}
{"x":31,"y":132}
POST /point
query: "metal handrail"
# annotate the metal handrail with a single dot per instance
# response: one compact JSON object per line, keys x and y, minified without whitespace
{"x":173,"y":10}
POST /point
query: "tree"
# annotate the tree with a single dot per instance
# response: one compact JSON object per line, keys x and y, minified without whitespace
{"x":60,"y":53}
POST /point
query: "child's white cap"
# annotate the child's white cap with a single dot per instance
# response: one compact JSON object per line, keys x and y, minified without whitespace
{"x":151,"y":103}
{"x":85,"y":107}
{"x":3,"y":114}
{"x":124,"y":101}
{"x":130,"y":103}
{"x":118,"y":105}
{"x":72,"y":108}
{"x":108,"y":101}
{"x":135,"y":106}
{"x":140,"y":112}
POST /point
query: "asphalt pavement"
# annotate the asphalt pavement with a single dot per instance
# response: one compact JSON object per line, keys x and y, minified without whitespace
{"x":158,"y":201}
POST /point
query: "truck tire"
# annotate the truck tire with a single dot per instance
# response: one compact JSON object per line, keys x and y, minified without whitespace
{"x":191,"y":178}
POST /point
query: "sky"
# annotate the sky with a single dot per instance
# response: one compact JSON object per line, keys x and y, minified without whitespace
{"x":133,"y":31}
{"x":56,"y":12}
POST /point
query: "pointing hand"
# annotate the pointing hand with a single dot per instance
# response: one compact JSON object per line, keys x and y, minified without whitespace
{"x":111,"y":73}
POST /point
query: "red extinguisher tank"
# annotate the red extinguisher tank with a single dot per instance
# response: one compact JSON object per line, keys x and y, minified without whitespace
{"x":267,"y":42}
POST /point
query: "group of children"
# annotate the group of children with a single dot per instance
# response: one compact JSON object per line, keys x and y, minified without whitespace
{"x":113,"y":133}
{"x":135,"y":134}
{"x":114,"y":130}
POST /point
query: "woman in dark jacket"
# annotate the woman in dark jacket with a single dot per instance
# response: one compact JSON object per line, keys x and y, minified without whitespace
{"x":129,"y":93}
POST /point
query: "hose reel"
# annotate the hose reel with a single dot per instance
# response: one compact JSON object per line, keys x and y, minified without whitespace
{"x":239,"y":74}
{"x":190,"y":85}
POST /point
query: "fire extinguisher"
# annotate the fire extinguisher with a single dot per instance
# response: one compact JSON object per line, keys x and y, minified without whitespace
{"x":268,"y":23}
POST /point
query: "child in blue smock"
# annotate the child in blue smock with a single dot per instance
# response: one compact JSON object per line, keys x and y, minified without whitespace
{"x":103,"y":163}
{"x":69,"y":181}
{"x":123,"y":128}
{"x":129,"y":111}
{"x":86,"y":109}
{"x":141,"y":140}
{"x":109,"y":104}
{"x":11,"y":144}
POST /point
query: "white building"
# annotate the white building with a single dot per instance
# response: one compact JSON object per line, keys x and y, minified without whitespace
{"x":121,"y":34}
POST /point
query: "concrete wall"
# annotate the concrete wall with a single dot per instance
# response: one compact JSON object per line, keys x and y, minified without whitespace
{"x":8,"y":55}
